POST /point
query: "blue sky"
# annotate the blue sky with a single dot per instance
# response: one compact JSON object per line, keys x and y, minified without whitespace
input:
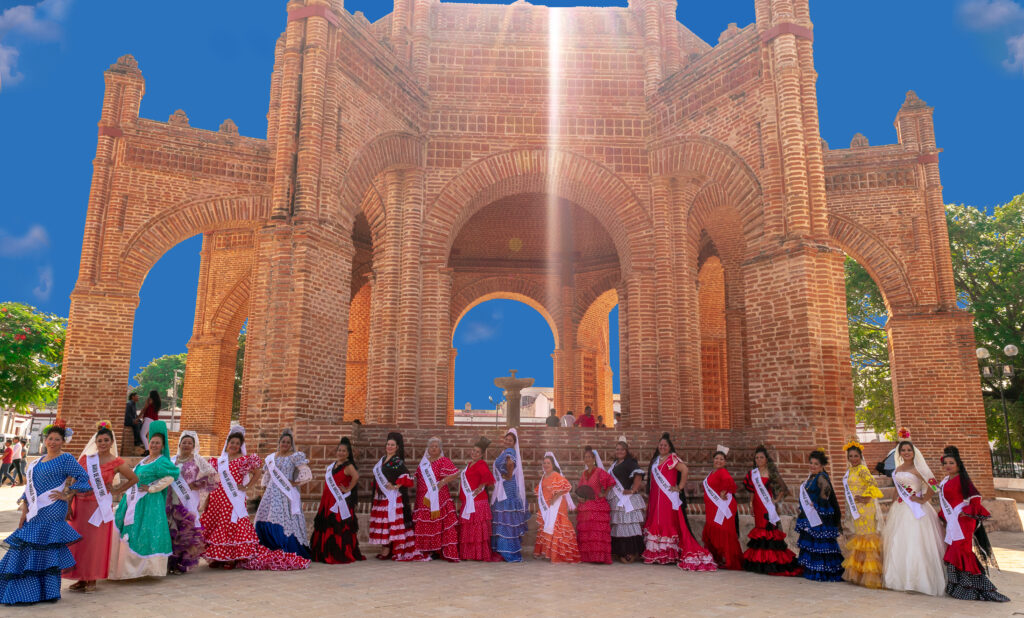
{"x":213,"y":59}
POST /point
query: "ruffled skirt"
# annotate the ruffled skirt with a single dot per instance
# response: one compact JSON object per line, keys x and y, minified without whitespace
{"x":627,"y":528}
{"x":863,"y":565}
{"x":593,"y":526}
{"x":441,"y":534}
{"x":508,"y":525}
{"x":385,"y":531}
{"x":335,"y":541}
{"x":723,"y":542}
{"x":560,"y":545}
{"x":971,"y":586}
{"x":187,"y":544}
{"x":820,"y":557}
{"x":768,"y":554}
{"x":38,"y":552}
{"x":475,"y":534}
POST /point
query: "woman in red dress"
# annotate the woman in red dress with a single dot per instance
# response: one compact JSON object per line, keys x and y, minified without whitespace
{"x":231,"y":540}
{"x":475,"y":511}
{"x":336,"y":526}
{"x":92,"y":553}
{"x":767,"y":552}
{"x":556,"y":540}
{"x":593,"y":517}
{"x":436,"y":525}
{"x":391,"y":515}
{"x":963,"y":514}
{"x":721,"y":522}
{"x":667,"y":535}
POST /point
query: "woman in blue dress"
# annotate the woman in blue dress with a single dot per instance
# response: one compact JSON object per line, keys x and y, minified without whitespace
{"x":30,"y":570}
{"x":818,"y":523}
{"x":280,"y":523}
{"x":508,"y":506}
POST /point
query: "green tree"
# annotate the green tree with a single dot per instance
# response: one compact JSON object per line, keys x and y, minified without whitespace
{"x":31,"y":354}
{"x":158,"y":376}
{"x":869,"y":351}
{"x":236,"y":401}
{"x":988,"y":269}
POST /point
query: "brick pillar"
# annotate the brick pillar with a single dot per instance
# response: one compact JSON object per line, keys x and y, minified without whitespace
{"x":209,"y":386}
{"x":641,"y":353}
{"x":298,"y":324}
{"x":734,"y":335}
{"x":409,"y":313}
{"x":936,"y":387}
{"x":97,"y":357}
{"x":383,"y":353}
{"x":648,"y":14}
{"x":437,"y":356}
{"x":665,"y":304}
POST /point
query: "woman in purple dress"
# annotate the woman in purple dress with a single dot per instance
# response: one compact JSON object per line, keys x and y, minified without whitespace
{"x":197,"y":478}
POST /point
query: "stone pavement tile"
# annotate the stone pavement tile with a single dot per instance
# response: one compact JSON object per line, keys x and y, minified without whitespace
{"x":535,"y":588}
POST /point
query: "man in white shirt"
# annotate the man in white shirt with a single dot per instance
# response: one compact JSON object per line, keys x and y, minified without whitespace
{"x":569,"y":420}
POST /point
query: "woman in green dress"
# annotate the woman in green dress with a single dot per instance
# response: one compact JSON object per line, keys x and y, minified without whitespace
{"x":141,"y":516}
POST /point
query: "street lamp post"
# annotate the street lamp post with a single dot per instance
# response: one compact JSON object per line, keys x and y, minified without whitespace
{"x":999,"y":372}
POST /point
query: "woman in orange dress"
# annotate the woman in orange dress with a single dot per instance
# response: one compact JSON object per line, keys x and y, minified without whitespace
{"x":556,"y":539}
{"x":93,"y":523}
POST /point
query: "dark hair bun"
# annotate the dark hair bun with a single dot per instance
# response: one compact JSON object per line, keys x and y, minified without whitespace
{"x":820,"y":456}
{"x":666,"y":436}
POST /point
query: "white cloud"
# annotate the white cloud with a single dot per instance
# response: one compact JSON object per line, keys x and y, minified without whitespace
{"x":42,"y":291}
{"x":35,"y":239}
{"x":991,"y":14}
{"x":39,"y":21}
{"x":476,"y":332}
{"x":1015,"y":62}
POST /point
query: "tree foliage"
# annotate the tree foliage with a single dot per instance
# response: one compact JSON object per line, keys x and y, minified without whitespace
{"x":31,"y":354}
{"x":988,"y":270}
{"x":236,"y":401}
{"x":869,"y":351}
{"x":158,"y":376}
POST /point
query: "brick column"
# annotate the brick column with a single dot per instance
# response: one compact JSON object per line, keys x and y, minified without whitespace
{"x":641,"y":353}
{"x":936,"y":387}
{"x":97,"y":358}
{"x":437,"y":357}
{"x":383,"y":353}
{"x":209,"y":387}
{"x":409,"y":313}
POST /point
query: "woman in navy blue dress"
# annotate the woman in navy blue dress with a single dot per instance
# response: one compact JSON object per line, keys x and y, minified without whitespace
{"x":30,"y":570}
{"x":818,"y":524}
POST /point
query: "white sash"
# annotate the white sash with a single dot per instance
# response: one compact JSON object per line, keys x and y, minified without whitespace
{"x":549,"y":514}
{"x":499,"y":482}
{"x":290,"y":491}
{"x":722,"y":510}
{"x":665,"y":487}
{"x":766,"y":498}
{"x":915,"y":508}
{"x":186,"y":496}
{"x":36,"y":502}
{"x":469,"y":507}
{"x":235,"y":495}
{"x":625,"y":501}
{"x":382,"y":486}
{"x":340,"y":499}
{"x":851,"y":503}
{"x":954,"y":531}
{"x":430,"y":480}
{"x":105,"y":511}
{"x":133,"y":496}
{"x":810,"y":512}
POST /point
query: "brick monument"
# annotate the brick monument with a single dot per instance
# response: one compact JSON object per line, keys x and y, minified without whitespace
{"x":572,"y":159}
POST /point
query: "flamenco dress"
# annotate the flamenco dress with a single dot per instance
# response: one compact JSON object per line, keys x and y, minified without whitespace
{"x":509,"y":516}
{"x":475,"y":532}
{"x":627,"y":528}
{"x":398,"y":532}
{"x":336,"y":540}
{"x":668,"y":538}
{"x":593,"y":519}
{"x":863,"y":564}
{"x":965,"y":578}
{"x":436,"y":531}
{"x":276,"y":526}
{"x":187,"y":543}
{"x":722,"y":540}
{"x":767,"y":552}
{"x":145,"y":541}
{"x":92,"y":553}
{"x":38,"y":551}
{"x":819,"y":551}
{"x":560,"y":545}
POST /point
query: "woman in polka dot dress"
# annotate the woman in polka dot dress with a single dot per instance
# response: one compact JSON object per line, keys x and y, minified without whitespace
{"x":436,"y":527}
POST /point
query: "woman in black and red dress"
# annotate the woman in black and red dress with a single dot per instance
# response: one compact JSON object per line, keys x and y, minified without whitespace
{"x":391,"y":513}
{"x":766,"y":545}
{"x":336,"y":527}
{"x":961,"y":507}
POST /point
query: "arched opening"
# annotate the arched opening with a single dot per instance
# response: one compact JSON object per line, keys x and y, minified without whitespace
{"x":558,"y":258}
{"x":714,"y":349}
{"x":494,"y":334}
{"x":868,"y":315}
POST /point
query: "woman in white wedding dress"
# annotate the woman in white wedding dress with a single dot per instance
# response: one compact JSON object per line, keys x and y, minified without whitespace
{"x":913,"y":539}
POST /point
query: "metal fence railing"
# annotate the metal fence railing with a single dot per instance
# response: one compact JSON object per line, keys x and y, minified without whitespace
{"x":1004,"y":467}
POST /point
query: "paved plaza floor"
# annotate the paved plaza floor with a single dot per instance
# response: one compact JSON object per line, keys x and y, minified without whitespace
{"x":534,"y":588}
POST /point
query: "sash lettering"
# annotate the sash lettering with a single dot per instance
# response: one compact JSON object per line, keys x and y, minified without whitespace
{"x":954,"y":531}
{"x":235,"y":495}
{"x":340,"y":499}
{"x":284,"y":485}
{"x":905,"y":495}
{"x":851,"y":502}
{"x":36,"y":502}
{"x":382,"y":486}
{"x":722,"y":505}
{"x":430,"y":480}
{"x":133,"y":496}
{"x":765,"y":497}
{"x":666,"y":487}
{"x":104,"y":512}
{"x":469,"y":506}
{"x":810,"y":512}
{"x":499,"y":482}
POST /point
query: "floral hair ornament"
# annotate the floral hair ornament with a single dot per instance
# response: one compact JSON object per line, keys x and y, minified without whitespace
{"x":61,"y":424}
{"x":903,"y":433}
{"x":102,"y":425}
{"x":853,"y":444}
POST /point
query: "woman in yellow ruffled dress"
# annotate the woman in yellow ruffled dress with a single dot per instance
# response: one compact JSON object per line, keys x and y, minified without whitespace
{"x":864,"y":549}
